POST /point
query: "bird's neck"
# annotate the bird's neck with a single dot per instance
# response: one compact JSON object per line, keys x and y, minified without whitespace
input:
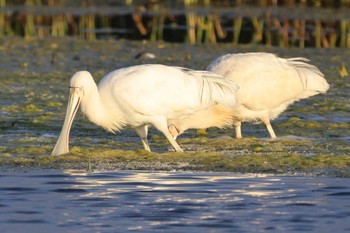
{"x":96,"y":111}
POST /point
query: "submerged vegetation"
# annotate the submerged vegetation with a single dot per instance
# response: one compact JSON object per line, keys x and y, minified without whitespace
{"x":246,"y":156}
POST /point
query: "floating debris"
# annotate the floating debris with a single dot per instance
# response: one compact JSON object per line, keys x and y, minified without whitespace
{"x":145,"y":55}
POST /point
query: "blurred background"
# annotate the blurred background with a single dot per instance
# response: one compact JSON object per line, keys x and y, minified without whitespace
{"x":282,"y":23}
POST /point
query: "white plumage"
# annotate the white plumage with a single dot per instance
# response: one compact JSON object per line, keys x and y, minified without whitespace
{"x":144,"y":95}
{"x":268,"y":84}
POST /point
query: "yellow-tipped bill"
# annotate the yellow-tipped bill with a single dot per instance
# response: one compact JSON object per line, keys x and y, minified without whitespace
{"x":62,"y":145}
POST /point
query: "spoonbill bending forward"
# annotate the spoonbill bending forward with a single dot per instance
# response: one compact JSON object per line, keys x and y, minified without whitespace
{"x":267,"y":84}
{"x":144,"y":95}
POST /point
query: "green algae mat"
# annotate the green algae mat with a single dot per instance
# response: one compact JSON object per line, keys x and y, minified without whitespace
{"x":313,"y":134}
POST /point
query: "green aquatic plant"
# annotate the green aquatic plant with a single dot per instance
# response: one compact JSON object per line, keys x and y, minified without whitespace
{"x":196,"y":161}
{"x":203,"y":154}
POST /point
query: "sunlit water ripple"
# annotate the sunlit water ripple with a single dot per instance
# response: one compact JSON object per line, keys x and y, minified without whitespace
{"x":71,"y":201}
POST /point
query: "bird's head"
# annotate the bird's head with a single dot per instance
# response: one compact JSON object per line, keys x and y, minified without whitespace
{"x":79,"y":83}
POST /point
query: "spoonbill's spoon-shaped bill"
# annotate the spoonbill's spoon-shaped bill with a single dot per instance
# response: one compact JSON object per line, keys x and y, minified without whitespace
{"x":62,"y":145}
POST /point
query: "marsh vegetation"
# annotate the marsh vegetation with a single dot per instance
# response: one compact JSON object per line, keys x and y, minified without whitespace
{"x":314,"y":133}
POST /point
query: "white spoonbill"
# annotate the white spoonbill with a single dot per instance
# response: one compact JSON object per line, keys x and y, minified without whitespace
{"x":143,"y":95}
{"x":268,"y":84}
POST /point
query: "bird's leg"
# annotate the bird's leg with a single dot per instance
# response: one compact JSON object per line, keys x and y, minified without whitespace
{"x":142,"y":131}
{"x":172,"y":141}
{"x":237,"y":125}
{"x":266,"y":121}
{"x":271,"y":132}
{"x":162,"y":126}
{"x":173,"y":131}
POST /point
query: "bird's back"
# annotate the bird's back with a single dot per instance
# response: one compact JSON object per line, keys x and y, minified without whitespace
{"x":159,"y":90}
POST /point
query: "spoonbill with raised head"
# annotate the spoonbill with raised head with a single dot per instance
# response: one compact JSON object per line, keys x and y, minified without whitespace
{"x":144,"y":95}
{"x":268,"y":84}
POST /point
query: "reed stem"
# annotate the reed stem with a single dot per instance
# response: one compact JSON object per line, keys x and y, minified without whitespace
{"x":318,"y":36}
{"x":191,"y":27}
{"x":237,"y":26}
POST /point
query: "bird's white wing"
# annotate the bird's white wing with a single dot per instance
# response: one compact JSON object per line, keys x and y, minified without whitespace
{"x":166,"y":91}
{"x":311,"y":77}
{"x":213,"y":87}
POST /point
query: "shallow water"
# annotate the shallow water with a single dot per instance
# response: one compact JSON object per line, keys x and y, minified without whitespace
{"x":72,"y":201}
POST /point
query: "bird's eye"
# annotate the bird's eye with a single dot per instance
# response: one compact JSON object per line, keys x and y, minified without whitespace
{"x":75,"y":88}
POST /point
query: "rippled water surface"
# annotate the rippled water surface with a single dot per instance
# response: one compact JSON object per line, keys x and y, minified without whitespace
{"x":71,"y":201}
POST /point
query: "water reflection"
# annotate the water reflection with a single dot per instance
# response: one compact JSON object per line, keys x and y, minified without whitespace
{"x":74,"y":201}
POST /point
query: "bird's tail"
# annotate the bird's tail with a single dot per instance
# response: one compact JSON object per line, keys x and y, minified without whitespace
{"x":217,"y":89}
{"x":311,"y":77}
